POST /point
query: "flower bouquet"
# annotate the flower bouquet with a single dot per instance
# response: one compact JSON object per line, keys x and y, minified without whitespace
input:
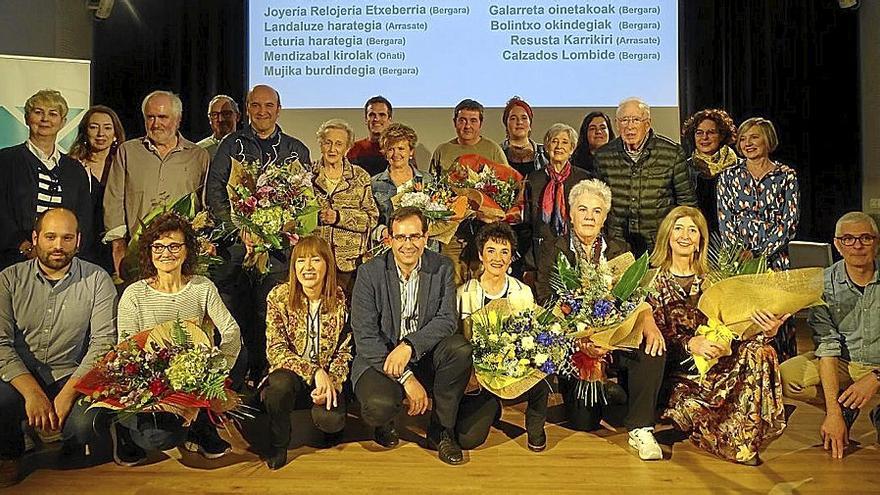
{"x":595,"y":307}
{"x":274,"y":204}
{"x":514,"y":350}
{"x":170,"y":368}
{"x":444,"y":209}
{"x":494,"y":190}
{"x":201,"y":222}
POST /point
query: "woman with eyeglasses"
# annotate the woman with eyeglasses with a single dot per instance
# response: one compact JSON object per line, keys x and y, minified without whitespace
{"x":710,"y":134}
{"x":170,"y":289}
{"x":758,"y":206}
{"x":348,"y":209}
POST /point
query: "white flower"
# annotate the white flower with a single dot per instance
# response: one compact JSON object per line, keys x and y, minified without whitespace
{"x":541,"y":358}
{"x":493,"y":337}
{"x":528,"y":343}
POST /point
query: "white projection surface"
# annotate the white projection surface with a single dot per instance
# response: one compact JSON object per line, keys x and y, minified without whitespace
{"x":432,"y":53}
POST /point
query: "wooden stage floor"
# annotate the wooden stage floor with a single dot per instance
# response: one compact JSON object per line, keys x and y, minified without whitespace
{"x":574,"y":462}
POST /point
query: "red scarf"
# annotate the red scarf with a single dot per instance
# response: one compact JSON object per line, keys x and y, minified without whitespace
{"x":553,"y":199}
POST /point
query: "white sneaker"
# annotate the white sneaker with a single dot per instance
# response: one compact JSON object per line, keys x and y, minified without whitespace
{"x":642,"y":439}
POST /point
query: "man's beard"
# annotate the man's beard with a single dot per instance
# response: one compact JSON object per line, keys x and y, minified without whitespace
{"x":55,"y":263}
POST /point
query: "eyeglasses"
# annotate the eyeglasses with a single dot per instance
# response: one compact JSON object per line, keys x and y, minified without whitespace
{"x":700,"y":133}
{"x":172,"y":248}
{"x":223,"y":113}
{"x":631,"y":120}
{"x":864,"y":239}
{"x":414,"y":238}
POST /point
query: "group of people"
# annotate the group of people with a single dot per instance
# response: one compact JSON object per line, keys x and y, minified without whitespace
{"x":327,"y":325}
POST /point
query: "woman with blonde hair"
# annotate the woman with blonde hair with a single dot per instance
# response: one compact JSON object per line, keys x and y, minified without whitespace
{"x":737,"y":408}
{"x":308,"y":347}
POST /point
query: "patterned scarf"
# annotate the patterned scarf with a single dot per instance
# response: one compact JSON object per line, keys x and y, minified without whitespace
{"x":714,"y":164}
{"x":553,"y":199}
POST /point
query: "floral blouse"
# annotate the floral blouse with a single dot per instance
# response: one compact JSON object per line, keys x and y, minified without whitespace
{"x":760,"y":214}
{"x":287,"y":336}
{"x":676,"y":313}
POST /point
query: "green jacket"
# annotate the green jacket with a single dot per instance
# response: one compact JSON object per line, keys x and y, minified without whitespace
{"x":644,"y":192}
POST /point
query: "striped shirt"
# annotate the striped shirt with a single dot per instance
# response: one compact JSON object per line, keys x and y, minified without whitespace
{"x":48,"y":183}
{"x":409,"y":301}
{"x":143,"y":307}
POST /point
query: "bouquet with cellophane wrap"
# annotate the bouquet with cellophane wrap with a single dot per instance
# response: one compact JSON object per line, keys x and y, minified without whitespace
{"x":274,"y":204}
{"x":444,"y":208}
{"x":494,"y":190}
{"x":172,"y":367}
{"x":515,"y":348}
{"x":600,"y":303}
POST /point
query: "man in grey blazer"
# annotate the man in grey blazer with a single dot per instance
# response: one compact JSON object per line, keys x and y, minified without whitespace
{"x":404,"y":321}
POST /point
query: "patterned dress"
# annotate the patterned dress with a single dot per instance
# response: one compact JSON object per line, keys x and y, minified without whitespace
{"x":738,"y":408}
{"x":761,"y":215}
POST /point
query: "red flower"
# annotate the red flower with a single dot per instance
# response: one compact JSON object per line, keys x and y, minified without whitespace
{"x":589,"y":369}
{"x":131,"y":369}
{"x":164,"y":354}
{"x":158,"y":386}
{"x":490,"y":189}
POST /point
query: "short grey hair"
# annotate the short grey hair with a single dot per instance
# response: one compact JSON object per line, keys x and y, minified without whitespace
{"x":855,"y":217}
{"x":226,"y":98}
{"x":643,"y":106}
{"x":591,"y":186}
{"x":176,"y":103}
{"x":335,"y":124}
{"x":559,"y":128}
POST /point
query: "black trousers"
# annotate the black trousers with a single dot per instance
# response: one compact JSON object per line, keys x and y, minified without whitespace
{"x":82,"y":426}
{"x":244,"y":292}
{"x":285,"y":392}
{"x":164,"y":430}
{"x":477,"y":413}
{"x":640,"y":374}
{"x":444,"y":373}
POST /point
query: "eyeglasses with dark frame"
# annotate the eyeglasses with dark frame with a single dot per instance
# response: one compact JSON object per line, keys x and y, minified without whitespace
{"x":414,"y":238}
{"x":850,"y":240}
{"x":172,"y":248}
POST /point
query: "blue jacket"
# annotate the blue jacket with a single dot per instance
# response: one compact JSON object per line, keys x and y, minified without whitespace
{"x":375,"y":310}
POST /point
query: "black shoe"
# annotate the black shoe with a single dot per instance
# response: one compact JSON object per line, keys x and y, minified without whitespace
{"x":9,"y":472}
{"x":849,"y":417}
{"x":537,"y":442}
{"x":331,"y":440}
{"x":447,"y":448}
{"x":386,"y":436}
{"x":206,"y":442}
{"x":276,"y":458}
{"x":875,"y":420}
{"x":125,"y":451}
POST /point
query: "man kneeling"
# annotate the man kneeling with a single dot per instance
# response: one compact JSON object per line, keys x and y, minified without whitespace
{"x":404,"y":321}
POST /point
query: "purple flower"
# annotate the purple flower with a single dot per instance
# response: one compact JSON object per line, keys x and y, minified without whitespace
{"x":602,"y":307}
{"x":548,"y":367}
{"x":544,"y":338}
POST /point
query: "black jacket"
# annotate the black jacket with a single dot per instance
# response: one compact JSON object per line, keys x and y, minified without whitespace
{"x":18,"y":200}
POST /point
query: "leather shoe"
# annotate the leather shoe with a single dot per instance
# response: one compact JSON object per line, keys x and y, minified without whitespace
{"x":447,"y":448}
{"x":276,"y":458}
{"x":386,"y":436}
{"x":537,"y":442}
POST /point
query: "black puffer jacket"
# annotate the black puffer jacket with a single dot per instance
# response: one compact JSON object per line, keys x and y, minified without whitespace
{"x":644,"y":192}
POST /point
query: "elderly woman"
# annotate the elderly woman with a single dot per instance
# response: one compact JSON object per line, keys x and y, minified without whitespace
{"x":169,"y":289}
{"x":398,"y":143}
{"x":596,"y":131}
{"x":737,"y":408}
{"x":709,"y":133}
{"x":547,"y":209}
{"x":309,"y":347}
{"x":36,"y":176}
{"x":100,"y":132}
{"x":643,"y":368}
{"x":495,"y":243}
{"x":758,"y":206}
{"x":348,"y":210}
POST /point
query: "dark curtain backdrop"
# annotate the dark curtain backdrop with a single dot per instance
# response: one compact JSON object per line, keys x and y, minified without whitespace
{"x":797,"y":63}
{"x":195,"y":48}
{"x":792,"y":61}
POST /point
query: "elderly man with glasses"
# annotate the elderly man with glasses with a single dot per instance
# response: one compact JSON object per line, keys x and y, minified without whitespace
{"x":647,"y":174}
{"x":223,"y":116}
{"x":843,"y":373}
{"x":404,"y":321}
